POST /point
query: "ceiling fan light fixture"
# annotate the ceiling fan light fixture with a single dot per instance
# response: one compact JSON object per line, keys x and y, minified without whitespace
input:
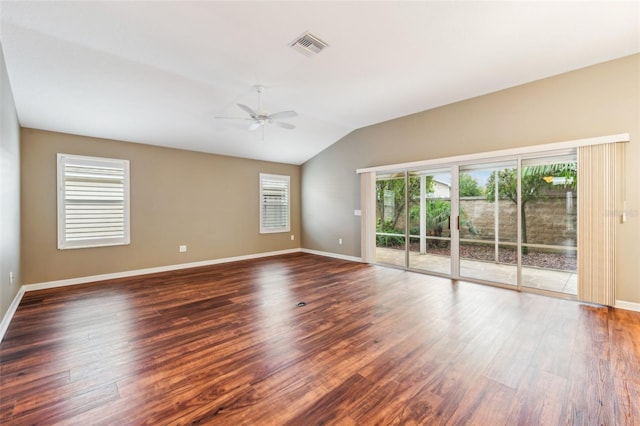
{"x":308,"y":44}
{"x":259,"y":118}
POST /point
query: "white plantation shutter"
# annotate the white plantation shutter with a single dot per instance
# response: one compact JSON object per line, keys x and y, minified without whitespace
{"x":93,"y":202}
{"x":274,"y":203}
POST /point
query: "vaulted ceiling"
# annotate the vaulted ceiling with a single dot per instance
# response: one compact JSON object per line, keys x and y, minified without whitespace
{"x":159,"y":72}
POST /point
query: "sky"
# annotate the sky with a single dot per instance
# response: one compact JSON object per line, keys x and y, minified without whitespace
{"x":481,"y":176}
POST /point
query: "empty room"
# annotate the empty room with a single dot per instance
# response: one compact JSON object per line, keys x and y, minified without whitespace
{"x":310,"y":212}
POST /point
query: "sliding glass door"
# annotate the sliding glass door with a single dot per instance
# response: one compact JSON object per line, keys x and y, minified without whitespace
{"x":514,"y":221}
{"x":488,"y":215}
{"x":429,"y":218}
{"x":549,"y":223}
{"x":391,"y":195}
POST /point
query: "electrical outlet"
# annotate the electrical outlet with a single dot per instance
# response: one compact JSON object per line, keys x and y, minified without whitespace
{"x":293,"y":238}
{"x":182,"y":249}
{"x":11,"y":277}
{"x":340,"y":241}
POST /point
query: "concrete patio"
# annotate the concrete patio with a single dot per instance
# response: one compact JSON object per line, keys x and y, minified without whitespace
{"x":544,"y":279}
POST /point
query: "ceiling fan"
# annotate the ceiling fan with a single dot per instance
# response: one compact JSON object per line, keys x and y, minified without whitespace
{"x":259,"y":118}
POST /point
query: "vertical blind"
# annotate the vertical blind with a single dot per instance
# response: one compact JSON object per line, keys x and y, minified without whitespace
{"x":599,"y":182}
{"x":93,"y":202}
{"x":274,"y":203}
{"x":368,"y":217}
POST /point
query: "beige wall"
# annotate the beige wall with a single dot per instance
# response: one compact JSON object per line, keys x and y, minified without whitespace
{"x":599,"y":100}
{"x":9,"y":193}
{"x":208,"y":202}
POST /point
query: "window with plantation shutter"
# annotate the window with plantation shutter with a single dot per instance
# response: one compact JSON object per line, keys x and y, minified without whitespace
{"x":93,"y":202}
{"x":274,"y":203}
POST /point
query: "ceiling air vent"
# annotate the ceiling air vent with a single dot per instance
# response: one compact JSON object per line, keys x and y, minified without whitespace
{"x":308,"y":44}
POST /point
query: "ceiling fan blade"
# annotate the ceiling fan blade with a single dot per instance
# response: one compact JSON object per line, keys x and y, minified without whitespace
{"x":251,"y":112}
{"x":255,"y":125}
{"x":259,"y":118}
{"x":283,"y":125}
{"x":283,"y":114}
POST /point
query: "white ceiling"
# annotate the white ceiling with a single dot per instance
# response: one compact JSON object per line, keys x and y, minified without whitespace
{"x":157,"y":72}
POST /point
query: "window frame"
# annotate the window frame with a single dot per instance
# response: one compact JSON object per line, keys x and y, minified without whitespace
{"x":274,"y":229}
{"x":67,"y":159}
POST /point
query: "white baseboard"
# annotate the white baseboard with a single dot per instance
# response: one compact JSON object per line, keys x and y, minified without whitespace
{"x":8,"y":316}
{"x":630,"y":306}
{"x":335,"y":255}
{"x":125,"y":274}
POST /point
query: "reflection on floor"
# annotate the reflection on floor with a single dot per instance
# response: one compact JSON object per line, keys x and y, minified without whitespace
{"x":545,"y":279}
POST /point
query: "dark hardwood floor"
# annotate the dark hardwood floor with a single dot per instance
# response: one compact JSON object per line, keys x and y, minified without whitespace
{"x":226,"y":344}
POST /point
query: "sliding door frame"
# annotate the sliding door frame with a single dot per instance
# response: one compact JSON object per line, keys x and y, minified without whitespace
{"x":454,"y":163}
{"x":517,"y":160}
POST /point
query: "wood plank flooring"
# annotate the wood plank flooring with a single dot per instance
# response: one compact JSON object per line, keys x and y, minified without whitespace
{"x":226,"y":344}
